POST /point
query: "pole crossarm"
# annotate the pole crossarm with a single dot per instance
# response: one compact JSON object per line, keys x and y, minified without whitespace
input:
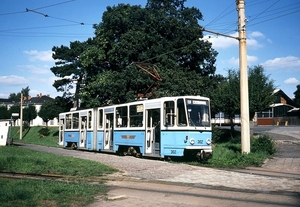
{"x":219,"y":34}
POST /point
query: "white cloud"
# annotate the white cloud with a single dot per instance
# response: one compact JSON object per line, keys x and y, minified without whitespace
{"x":253,"y":43}
{"x":291,"y":81}
{"x":13,"y":80}
{"x":256,"y":34}
{"x":221,"y":41}
{"x":35,"y":55}
{"x":283,"y":62}
{"x":45,"y":69}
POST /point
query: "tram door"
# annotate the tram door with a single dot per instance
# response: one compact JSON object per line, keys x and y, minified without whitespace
{"x":153,"y":131}
{"x":108,"y":131}
{"x":83,"y":130}
{"x":61,"y":130}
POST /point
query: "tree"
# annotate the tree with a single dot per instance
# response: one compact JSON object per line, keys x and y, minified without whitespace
{"x":261,"y":89}
{"x":226,"y":97}
{"x":29,"y":113}
{"x":165,"y":34}
{"x":297,"y":96}
{"x":25,"y":92}
{"x":14,"y":96}
{"x":4,"y":113}
{"x":48,"y":111}
{"x":69,"y":68}
{"x":14,"y":109}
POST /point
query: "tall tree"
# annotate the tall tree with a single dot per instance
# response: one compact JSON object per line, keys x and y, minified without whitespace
{"x":25,"y":92}
{"x":49,"y":110}
{"x":297,"y":96}
{"x":69,"y":69}
{"x":226,"y":97}
{"x":4,"y":113}
{"x":14,"y":96}
{"x":165,"y":34}
{"x":29,"y":113}
{"x":261,"y":89}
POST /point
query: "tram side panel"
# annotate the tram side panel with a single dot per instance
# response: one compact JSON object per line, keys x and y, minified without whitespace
{"x":179,"y":143}
{"x":71,"y":138}
{"x":129,"y":138}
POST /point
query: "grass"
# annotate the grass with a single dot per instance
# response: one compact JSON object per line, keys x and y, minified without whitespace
{"x":226,"y":147}
{"x":226,"y":154}
{"x":48,"y":192}
{"x":17,"y":159}
{"x":17,"y":193}
{"x":227,"y":150}
{"x":32,"y":136}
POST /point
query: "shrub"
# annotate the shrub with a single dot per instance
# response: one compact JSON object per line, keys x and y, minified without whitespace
{"x":263,"y":144}
{"x":43,"y":132}
{"x":220,"y":135}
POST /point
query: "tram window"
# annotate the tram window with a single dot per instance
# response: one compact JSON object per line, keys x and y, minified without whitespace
{"x":75,"y":121}
{"x":90,"y":125}
{"x":181,"y":118}
{"x":100,"y":118}
{"x":69,"y":121}
{"x":169,"y":113}
{"x":136,"y":115}
{"x":121,"y":116}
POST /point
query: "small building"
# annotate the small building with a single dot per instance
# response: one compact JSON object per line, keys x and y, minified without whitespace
{"x":279,"y":112}
{"x":36,"y":101}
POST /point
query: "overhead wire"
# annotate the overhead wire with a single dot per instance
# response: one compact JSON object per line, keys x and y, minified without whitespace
{"x":264,"y":10}
{"x":76,"y":23}
{"x":264,"y":16}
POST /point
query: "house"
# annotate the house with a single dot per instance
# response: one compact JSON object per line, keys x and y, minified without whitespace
{"x":37,"y":102}
{"x":279,"y":112}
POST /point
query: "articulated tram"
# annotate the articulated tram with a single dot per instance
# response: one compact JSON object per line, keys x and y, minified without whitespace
{"x":163,"y":127}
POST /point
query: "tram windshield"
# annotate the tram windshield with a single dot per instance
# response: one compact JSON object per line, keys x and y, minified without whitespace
{"x":198,"y":112}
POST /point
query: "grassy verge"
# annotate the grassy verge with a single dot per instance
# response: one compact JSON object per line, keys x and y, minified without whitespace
{"x":33,"y":193}
{"x":33,"y":136}
{"x":227,"y":150}
{"x":48,"y":192}
{"x":226,"y":147}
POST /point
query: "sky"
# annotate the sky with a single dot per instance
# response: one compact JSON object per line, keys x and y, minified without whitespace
{"x":29,"y":29}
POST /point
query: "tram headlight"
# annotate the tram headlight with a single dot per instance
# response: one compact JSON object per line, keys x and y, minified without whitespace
{"x":208,"y":141}
{"x":192,"y":141}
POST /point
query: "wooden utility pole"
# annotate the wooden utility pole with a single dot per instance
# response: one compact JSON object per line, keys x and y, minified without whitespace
{"x":21,"y":116}
{"x":244,"y":94}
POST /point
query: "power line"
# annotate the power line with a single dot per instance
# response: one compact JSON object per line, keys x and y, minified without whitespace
{"x":53,"y":5}
{"x":42,"y":27}
{"x":265,"y":10}
{"x":19,"y":12}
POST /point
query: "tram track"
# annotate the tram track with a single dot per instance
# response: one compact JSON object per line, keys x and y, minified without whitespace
{"x":54,"y":177}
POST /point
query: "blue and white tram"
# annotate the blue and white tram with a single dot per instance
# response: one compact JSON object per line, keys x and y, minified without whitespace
{"x":163,"y":127}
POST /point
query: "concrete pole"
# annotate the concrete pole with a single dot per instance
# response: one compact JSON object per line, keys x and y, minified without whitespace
{"x":244,"y":94}
{"x":21,"y":116}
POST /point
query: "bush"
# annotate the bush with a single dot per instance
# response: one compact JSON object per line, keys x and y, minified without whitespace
{"x":263,"y":144}
{"x":220,"y":135}
{"x":43,"y":132}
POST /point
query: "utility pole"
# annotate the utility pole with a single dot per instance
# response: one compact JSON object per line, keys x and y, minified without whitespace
{"x":21,"y":116}
{"x":244,"y":94}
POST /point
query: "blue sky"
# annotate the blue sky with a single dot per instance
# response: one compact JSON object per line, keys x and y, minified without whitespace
{"x":27,"y":38}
